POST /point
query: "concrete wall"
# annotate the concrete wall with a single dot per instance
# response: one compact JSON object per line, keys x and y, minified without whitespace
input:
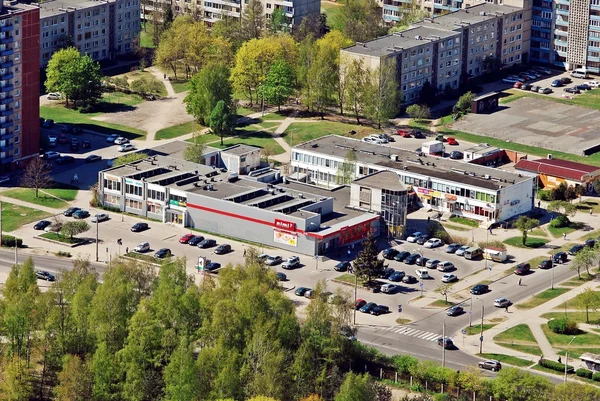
{"x":516,"y":199}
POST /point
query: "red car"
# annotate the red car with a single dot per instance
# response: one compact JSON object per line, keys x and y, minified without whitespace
{"x":452,"y":141}
{"x":359,"y":304}
{"x":404,"y":133}
{"x":186,"y":238}
{"x":518,"y":85}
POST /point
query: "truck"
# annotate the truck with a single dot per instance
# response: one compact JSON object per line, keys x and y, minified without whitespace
{"x":433,"y":148}
{"x":495,"y":254}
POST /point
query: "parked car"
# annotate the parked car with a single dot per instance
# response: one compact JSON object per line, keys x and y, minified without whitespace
{"x":273,"y":260}
{"x":81,"y":214}
{"x":452,"y":248}
{"x":480,"y":289}
{"x":556,"y":83}
{"x":369,"y":139}
{"x":491,"y":364}
{"x":522,"y":268}
{"x":186,"y":238}
{"x":583,"y":87}
{"x":341,"y":267}
{"x":300,"y":291}
{"x":120,"y":141}
{"x":62,"y":138}
{"x":389,"y":288}
{"x":49,"y":123}
{"x":100,"y":217}
{"x":589,"y":243}
{"x":281,"y":276}
{"x":518,"y":84}
{"x":368,"y":307}
{"x":49,"y":155}
{"x":414,"y":236}
{"x":421,"y":261}
{"x":445,"y":266}
{"x":380,"y":309}
{"x":112,"y":138}
{"x":53,"y":96}
{"x":456,"y":155}
{"x":44,"y":275}
{"x":126,"y":147}
{"x":404,"y":133}
{"x":397,"y":276}
{"x":223,"y":249}
{"x":461,"y":251}
{"x":137,"y":227}
{"x":575,"y":250}
{"x":408,"y":279}
{"x":411,"y":259}
{"x":432,"y":263}
{"x":77,"y":131}
{"x":162,"y":253}
{"x":535,"y":88}
{"x":502,"y":302}
{"x":592,"y":84}
{"x":386,"y":273}
{"x":401,"y":256}
{"x":511,"y":80}
{"x":546,"y":264}
{"x":291,"y":263}
{"x":66,"y":129}
{"x":422,"y":239}
{"x":207,"y":243}
{"x":566,"y":80}
{"x":142,"y":247}
{"x":433,"y":243}
{"x":452,"y":141}
{"x":526,"y":87}
{"x":65,"y":160}
{"x":195,"y":240}
{"x":560,"y":257}
{"x":40,"y":225}
{"x":545,"y":91}
{"x":449,"y":278}
{"x":543,"y":70}
{"x":359,"y":303}
{"x":92,"y":158}
{"x":445,"y":342}
{"x":69,"y":212}
{"x":389,"y":253}
{"x":212,"y":266}
{"x":418,"y":134}
{"x":455,"y":310}
{"x":422,"y":274}
{"x":573,"y":90}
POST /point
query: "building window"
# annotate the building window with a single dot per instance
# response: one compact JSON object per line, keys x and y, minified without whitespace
{"x":133,"y":204}
{"x":154,"y":194}
{"x":154,"y":208}
{"x":112,"y":185}
{"x":133,"y":190}
{"x":112,"y":199}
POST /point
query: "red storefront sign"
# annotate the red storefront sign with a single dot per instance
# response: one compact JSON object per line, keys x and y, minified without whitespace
{"x":354,"y":233}
{"x":285,"y":225}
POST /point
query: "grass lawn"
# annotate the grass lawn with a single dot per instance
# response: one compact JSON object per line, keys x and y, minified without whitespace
{"x":541,"y":298}
{"x":178,"y":130}
{"x":332,"y":10}
{"x":585,"y":339}
{"x":538,"y":232}
{"x":302,"y":132}
{"x":14,"y":216}
{"x":349,"y":278}
{"x":576,"y":282}
{"x":525,"y":348}
{"x":60,"y":238}
{"x":558,"y":232}
{"x":519,"y":338}
{"x":146,"y":35}
{"x":64,"y":194}
{"x":532,"y":242}
{"x":244,"y":111}
{"x":144,"y":257}
{"x":139,"y":74}
{"x":205,"y":138}
{"x":61,"y":114}
{"x":510,"y":360}
{"x":248,"y":136}
{"x":272,"y":116}
{"x":476,"y":329}
{"x":589,"y":99}
{"x":464,"y":221}
{"x":180,"y":85}
{"x":536,"y":261}
{"x":455,"y":227}
{"x":440,"y":303}
{"x":28,"y":195}
{"x":122,"y":98}
{"x":572,"y":303}
{"x":586,"y":206}
{"x":591,"y":235}
{"x":563,"y":248}
{"x":575,"y":353}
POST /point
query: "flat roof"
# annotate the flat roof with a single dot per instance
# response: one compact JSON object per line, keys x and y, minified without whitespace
{"x":240,"y":150}
{"x":157,"y":166}
{"x":482,"y":148}
{"x":175,"y":149}
{"x":384,"y":179}
{"x":472,"y":15}
{"x":8,"y":8}
{"x":57,"y":7}
{"x":432,"y":166}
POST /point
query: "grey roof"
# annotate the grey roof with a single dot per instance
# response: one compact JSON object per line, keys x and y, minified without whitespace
{"x":158,"y":167}
{"x":174,"y":149}
{"x":472,"y":15}
{"x":15,"y":8}
{"x":57,"y":7}
{"x":384,"y":179}
{"x":428,"y":166}
{"x":240,"y":149}
{"x":482,"y":148}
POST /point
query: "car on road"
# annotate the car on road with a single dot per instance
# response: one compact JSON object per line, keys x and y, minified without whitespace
{"x":422,"y":274}
{"x":491,"y":364}
{"x":409,"y":279}
{"x":480,"y":289}
{"x":100,"y":217}
{"x":138,"y":227}
{"x":412,"y":259}
{"x":341,"y":267}
{"x":545,"y":91}
{"x":560,"y":257}
{"x":273,"y":260}
{"x":121,"y":141}
{"x":44,"y":275}
{"x":368,"y":307}
{"x":445,"y":342}
{"x":212,"y":266}
{"x":49,"y":155}
{"x":359,"y":303}
{"x":81,"y":214}
{"x":281,"y":276}
{"x":389,"y":253}
{"x":445,"y":266}
{"x":433,"y":243}
{"x":401,"y":256}
{"x":162,"y":253}
{"x":92,"y":158}
{"x":455,"y":310}
{"x":452,"y":247}
{"x":522,"y":268}
{"x":207,"y":243}
{"x":397,"y":276}
{"x":449,"y":278}
{"x":69,"y":212}
{"x":432,"y":263}
{"x":40,"y":225}
{"x":223,"y":249}
{"x":65,"y":160}
{"x":556,"y":83}
{"x":452,"y":141}
{"x":546,"y":264}
{"x":501,"y":302}
{"x":53,"y":96}
{"x":195,"y":240}
{"x":126,"y":147}
{"x":300,"y":291}
{"x":112,"y":138}
{"x":456,"y":155}
{"x":414,"y":237}
{"x":380,"y":310}
{"x":291,"y":263}
{"x":461,"y":250}
{"x":573,"y":90}
{"x":186,"y":238}
{"x":142,"y":247}
{"x":389,"y":288}
{"x":575,"y":250}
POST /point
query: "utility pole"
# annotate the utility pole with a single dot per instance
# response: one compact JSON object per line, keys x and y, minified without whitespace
{"x":567,"y":358}
{"x":552,"y":267}
{"x":97,"y":219}
{"x":471,"y":311}
{"x":444,"y":341}
{"x":355,"y":294}
{"x":0,"y":222}
{"x":481,"y":331}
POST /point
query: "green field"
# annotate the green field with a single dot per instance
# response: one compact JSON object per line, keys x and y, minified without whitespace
{"x":476,"y":329}
{"x":146,"y":35}
{"x":180,"y":85}
{"x":120,"y":98}
{"x":585,"y":339}
{"x":301,"y":132}
{"x":511,"y":360}
{"x":532,"y":242}
{"x":14,"y":216}
{"x":60,"y":238}
{"x":520,"y":338}
{"x":541,"y":298}
{"x":178,"y":130}
{"x":252,"y":135}
{"x":589,"y":99}
{"x":28,"y":195}
{"x":272,"y":116}
{"x":464,"y":221}
{"x":572,"y":303}
{"x":558,"y":232}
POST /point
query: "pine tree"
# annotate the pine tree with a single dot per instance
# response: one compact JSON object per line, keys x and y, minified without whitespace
{"x":367,"y":264}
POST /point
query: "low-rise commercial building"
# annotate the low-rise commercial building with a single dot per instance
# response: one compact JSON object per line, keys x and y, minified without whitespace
{"x":445,"y":185}
{"x":552,"y":172}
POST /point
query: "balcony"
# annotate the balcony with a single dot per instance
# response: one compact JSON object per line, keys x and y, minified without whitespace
{"x":7,"y":52}
{"x":6,"y":76}
{"x":6,"y":160}
{"x":562,"y":12}
{"x":6,"y":100}
{"x":561,"y":22}
{"x":7,"y":112}
{"x":6,"y":28}
{"x":6,"y":40}
{"x":6,"y":88}
{"x":6,"y":147}
{"x":5,"y":135}
{"x":7,"y":124}
{"x":564,"y":2}
{"x":6,"y":64}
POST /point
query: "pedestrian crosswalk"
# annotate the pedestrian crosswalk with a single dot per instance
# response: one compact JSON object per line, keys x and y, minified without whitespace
{"x":412,"y":332}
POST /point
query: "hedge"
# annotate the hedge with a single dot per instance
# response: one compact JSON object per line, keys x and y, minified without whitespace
{"x":9,"y":241}
{"x":596,"y":376}
{"x":559,"y":367}
{"x":584,"y":373}
{"x":563,"y":326}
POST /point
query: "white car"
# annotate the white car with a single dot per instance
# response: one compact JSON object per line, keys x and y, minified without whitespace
{"x":53,"y":96}
{"x":142,"y":247}
{"x":380,"y":137}
{"x":120,"y":141}
{"x":370,"y":139}
{"x":449,"y":278}
{"x":100,"y":217}
{"x":422,"y":273}
{"x":502,"y":302}
{"x":593,"y":84}
{"x":445,"y":266}
{"x":433,"y":243}
{"x":414,"y":236}
{"x":126,"y":147}
{"x":461,"y":251}
{"x":50,"y":155}
{"x":389,"y":288}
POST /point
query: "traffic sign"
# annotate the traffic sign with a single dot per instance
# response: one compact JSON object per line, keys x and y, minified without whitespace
{"x":470,"y":312}
{"x":481,"y":338}
{"x":464,"y":331}
{"x":421,"y":284}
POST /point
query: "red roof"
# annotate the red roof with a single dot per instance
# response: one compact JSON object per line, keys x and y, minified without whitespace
{"x":557,"y":168}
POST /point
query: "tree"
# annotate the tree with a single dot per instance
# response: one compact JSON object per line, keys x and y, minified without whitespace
{"x":367,"y":264}
{"x":181,"y":375}
{"x":596,"y":184}
{"x":418,"y":111}
{"x":73,"y":228}
{"x":514,"y":384}
{"x":347,"y":170}
{"x":253,"y":19}
{"x":279,"y":22}
{"x":356,"y":388}
{"x":75,"y":381}
{"x":445,"y":289}
{"x":360,"y":20}
{"x":15,"y":380}
{"x":409,"y":14}
{"x":209,"y":86}
{"x":463,"y":105}
{"x":195,"y":151}
{"x":525,"y":224}
{"x":583,"y":259}
{"x":428,"y":95}
{"x":279,"y":83}
{"x":588,"y":299}
{"x":579,"y":191}
{"x":561,"y":206}
{"x":222,"y":122}
{"x":37,"y":175}
{"x":382,"y":92}
{"x":129,"y":158}
{"x":570,"y":193}
{"x":354,"y":77}
{"x":267,"y":152}
{"x":312,"y":25}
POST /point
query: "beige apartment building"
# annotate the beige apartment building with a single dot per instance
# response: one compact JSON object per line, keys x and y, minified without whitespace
{"x":103,"y":29}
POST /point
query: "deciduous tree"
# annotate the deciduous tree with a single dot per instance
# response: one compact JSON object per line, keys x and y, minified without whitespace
{"x":73,"y":228}
{"x":129,"y":158}
{"x":37,"y":175}
{"x":222,"y":121}
{"x":418,"y":111}
{"x":74,"y":381}
{"x":15,"y":380}
{"x":356,"y":388}
{"x":463,"y":105}
{"x":514,"y":384}
{"x":279,"y":83}
{"x":208,"y":87}
{"x":253,"y":19}
{"x":382,"y":98}
{"x":584,"y":259}
{"x":445,"y":289}
{"x":181,"y":375}
{"x":347,"y":170}
{"x":588,"y":299}
{"x":525,"y":224}
{"x":355,"y":84}
{"x":195,"y":151}
{"x":360,"y":20}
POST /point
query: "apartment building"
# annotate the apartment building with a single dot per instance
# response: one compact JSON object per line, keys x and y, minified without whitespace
{"x":19,"y":84}
{"x":102,"y":29}
{"x":449,"y":49}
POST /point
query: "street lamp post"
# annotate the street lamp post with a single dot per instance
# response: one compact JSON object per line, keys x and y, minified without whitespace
{"x":97,"y":220}
{"x":444,"y":341}
{"x":355,"y":293}
{"x":552,"y":268}
{"x":481,"y":331}
{"x":567,"y":358}
{"x":471,"y":311}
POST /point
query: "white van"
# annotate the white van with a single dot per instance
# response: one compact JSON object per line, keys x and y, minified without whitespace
{"x":579,"y":73}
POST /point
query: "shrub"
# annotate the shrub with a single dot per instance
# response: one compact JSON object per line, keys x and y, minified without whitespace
{"x":545,"y":195}
{"x":147,"y":85}
{"x":121,"y":82}
{"x":63,"y":254}
{"x":441,"y":397}
{"x":563,"y":326}
{"x":559,"y":367}
{"x":596,"y":376}
{"x":581,"y":372}
{"x":493,"y":244}
{"x":9,"y":241}
{"x":560,"y":221}
{"x":404,"y":363}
